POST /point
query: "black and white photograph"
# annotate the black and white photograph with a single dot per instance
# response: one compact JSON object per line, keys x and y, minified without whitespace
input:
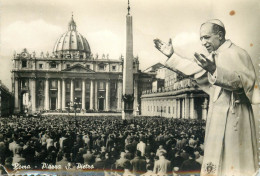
{"x":129,"y":87}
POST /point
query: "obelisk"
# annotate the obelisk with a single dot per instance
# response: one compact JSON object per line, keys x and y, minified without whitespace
{"x":128,"y":88}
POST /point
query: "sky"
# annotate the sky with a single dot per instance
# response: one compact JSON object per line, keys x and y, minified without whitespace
{"x":36,"y":25}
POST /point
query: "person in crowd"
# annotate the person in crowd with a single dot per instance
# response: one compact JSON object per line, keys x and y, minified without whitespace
{"x":199,"y":159}
{"x":121,"y":162}
{"x":64,"y":161}
{"x":162,"y":166}
{"x":190,"y":164}
{"x":88,"y":158}
{"x":138,"y":163}
{"x":149,"y":168}
{"x":141,"y":146}
{"x":54,"y":139}
{"x":160,"y":150}
{"x":178,"y":160}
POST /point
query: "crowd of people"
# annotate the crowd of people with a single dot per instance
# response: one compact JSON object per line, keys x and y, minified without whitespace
{"x":144,"y":145}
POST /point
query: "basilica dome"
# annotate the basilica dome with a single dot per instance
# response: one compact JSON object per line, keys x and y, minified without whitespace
{"x":72,"y":43}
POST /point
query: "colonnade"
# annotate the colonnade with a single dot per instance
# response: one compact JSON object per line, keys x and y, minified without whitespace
{"x":61,"y":93}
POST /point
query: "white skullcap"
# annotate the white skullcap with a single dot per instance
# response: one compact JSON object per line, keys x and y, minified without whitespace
{"x":216,"y":21}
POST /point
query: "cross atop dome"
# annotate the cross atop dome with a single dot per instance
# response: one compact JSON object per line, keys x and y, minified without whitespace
{"x":128,"y":8}
{"x":72,"y":24}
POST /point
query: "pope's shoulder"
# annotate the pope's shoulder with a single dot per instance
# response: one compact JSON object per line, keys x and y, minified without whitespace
{"x":234,"y":50}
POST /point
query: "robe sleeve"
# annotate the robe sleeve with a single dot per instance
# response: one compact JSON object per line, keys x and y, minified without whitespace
{"x":189,"y":68}
{"x":184,"y":65}
{"x":225,"y":79}
{"x":234,"y":71}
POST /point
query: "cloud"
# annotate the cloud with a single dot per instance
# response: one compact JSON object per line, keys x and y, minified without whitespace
{"x":187,"y":43}
{"x":106,"y":42}
{"x":185,"y":38}
{"x":35,"y":35}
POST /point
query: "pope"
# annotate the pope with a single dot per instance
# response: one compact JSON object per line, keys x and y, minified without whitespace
{"x":228,"y":76}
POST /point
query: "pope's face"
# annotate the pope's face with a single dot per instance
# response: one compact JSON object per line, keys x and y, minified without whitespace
{"x":208,"y":39}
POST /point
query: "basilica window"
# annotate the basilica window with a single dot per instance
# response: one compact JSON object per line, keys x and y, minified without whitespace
{"x":53,"y":65}
{"x":87,"y":86}
{"x":68,"y":56}
{"x":169,"y":109}
{"x":40,"y":85}
{"x":24,"y":64}
{"x":101,"y":67}
{"x":88,"y":66}
{"x":40,"y":66}
{"x":53,"y":84}
{"x":101,"y":85}
{"x":77,"y":84}
{"x":24,"y":83}
{"x":114,"y":68}
{"x":68,"y":87}
{"x":68,"y":65}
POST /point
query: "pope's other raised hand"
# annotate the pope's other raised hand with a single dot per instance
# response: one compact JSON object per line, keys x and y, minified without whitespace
{"x":165,"y":48}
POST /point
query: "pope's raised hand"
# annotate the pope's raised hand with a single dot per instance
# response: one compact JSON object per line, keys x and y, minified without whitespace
{"x":165,"y":48}
{"x":205,"y":63}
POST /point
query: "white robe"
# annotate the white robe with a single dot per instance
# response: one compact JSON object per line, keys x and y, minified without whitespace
{"x":230,"y":139}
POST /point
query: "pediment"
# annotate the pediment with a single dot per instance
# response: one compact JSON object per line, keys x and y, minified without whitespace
{"x":78,"y":68}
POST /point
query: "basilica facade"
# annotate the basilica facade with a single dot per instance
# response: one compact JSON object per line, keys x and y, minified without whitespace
{"x":70,"y":77}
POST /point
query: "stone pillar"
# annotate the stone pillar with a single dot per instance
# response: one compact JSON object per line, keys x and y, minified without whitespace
{"x":16,"y":96}
{"x":174,"y":110}
{"x":83,"y":103}
{"x":33,"y":94}
{"x":91,"y":100}
{"x":96,"y":95}
{"x":205,"y":109}
{"x":187,"y":107}
{"x":47,"y":95}
{"x":192,"y":107}
{"x":63,"y":94}
{"x":178,"y":108}
{"x":119,"y":95}
{"x":107,"y":95}
{"x":59,"y":94}
{"x":72,"y":91}
{"x":183,"y":108}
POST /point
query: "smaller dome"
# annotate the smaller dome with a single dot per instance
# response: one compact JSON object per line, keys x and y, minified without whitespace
{"x":72,"y":42}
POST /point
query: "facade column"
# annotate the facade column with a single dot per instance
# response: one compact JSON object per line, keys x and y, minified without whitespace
{"x":107,"y":95}
{"x":59,"y":94}
{"x":183,"y":108}
{"x":16,"y":95}
{"x":119,"y":95}
{"x":72,"y":91}
{"x":178,"y":108}
{"x":187,"y":107}
{"x":33,"y":94}
{"x":174,"y":109}
{"x":192,"y":107}
{"x":96,"y":96}
{"x":204,"y":109}
{"x":91,"y":100}
{"x":47,"y":95}
{"x":63,"y":94}
{"x":83,"y":103}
